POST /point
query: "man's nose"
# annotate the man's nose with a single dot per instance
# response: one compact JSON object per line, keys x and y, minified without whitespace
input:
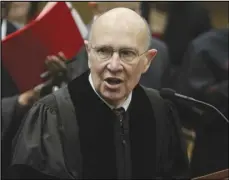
{"x":115,"y":63}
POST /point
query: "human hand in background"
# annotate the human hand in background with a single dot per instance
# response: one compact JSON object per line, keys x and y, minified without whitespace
{"x":29,"y":97}
{"x":56,"y":64}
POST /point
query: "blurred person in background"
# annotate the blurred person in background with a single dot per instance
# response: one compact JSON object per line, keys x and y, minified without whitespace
{"x":21,"y":13}
{"x":184,"y":22}
{"x":9,"y":89}
{"x":18,"y":13}
{"x":13,"y":104}
{"x":152,"y":78}
{"x":7,"y":27}
{"x":204,"y":76}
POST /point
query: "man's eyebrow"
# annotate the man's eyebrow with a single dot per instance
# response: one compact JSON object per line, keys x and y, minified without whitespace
{"x":121,"y":47}
{"x":129,"y":48}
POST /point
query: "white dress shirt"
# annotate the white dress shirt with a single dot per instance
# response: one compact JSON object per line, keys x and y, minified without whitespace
{"x":3,"y":29}
{"x":125,"y":104}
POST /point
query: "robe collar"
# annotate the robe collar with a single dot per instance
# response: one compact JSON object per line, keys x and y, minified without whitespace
{"x":96,"y":120}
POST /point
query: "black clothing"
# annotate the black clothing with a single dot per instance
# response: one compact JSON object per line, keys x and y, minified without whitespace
{"x":73,"y":134}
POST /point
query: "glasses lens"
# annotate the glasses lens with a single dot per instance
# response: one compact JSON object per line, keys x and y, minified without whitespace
{"x":104,"y":52}
{"x":128,"y":55}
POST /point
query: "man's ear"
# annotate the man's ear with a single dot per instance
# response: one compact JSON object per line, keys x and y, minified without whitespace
{"x":150,"y":55}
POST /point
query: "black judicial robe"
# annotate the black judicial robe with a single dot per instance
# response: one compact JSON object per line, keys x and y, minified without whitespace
{"x":70,"y":135}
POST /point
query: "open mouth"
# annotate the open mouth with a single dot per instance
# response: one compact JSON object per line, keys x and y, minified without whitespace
{"x":113,"y":81}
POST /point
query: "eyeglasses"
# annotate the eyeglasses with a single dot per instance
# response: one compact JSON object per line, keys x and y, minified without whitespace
{"x":126,"y":55}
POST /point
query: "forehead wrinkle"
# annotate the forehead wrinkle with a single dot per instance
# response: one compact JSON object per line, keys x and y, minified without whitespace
{"x":110,"y":40}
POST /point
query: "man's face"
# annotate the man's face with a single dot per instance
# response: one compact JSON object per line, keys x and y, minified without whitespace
{"x":115,"y":77}
{"x":5,"y":6}
{"x":18,"y":11}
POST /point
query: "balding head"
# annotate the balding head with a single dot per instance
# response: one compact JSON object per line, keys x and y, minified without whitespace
{"x":117,"y":53}
{"x":122,"y":20}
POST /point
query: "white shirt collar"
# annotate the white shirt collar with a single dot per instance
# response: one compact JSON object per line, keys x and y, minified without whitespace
{"x":95,"y":17}
{"x":4,"y":29}
{"x":125,"y":105}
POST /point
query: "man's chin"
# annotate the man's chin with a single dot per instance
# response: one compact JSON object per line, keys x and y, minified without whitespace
{"x":113,"y":98}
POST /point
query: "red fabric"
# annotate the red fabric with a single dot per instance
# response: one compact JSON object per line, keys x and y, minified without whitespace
{"x":24,"y":52}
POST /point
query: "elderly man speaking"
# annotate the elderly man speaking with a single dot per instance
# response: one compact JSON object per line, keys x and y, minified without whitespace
{"x":103,"y":124}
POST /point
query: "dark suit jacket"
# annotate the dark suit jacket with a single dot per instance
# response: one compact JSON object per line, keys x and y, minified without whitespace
{"x":9,"y":88}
